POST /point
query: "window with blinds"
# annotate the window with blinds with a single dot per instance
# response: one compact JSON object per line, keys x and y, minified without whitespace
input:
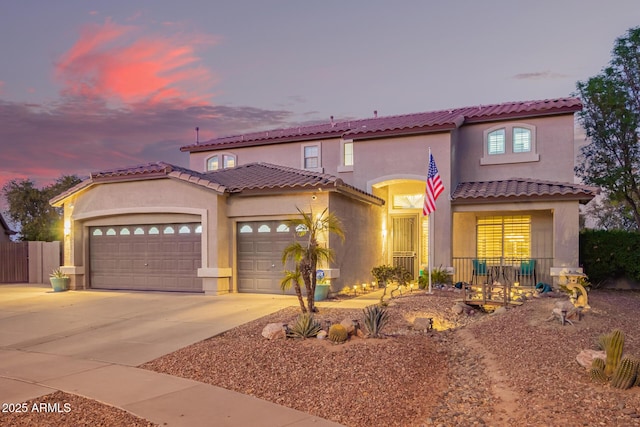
{"x":504,"y":237}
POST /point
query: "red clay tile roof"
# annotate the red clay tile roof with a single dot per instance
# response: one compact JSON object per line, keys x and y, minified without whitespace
{"x":517,"y":188}
{"x":249,"y":177}
{"x":377,"y":127}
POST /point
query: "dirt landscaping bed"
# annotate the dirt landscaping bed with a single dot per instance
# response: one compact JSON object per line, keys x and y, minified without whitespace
{"x":514,"y":368}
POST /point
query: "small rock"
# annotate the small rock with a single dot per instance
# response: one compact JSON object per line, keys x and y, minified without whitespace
{"x":322,"y":335}
{"x":349,"y":325}
{"x":585,"y":357}
{"x":274,"y":331}
{"x":422,"y":323}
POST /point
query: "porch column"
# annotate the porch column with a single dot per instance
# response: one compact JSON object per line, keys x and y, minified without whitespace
{"x":566,"y":229}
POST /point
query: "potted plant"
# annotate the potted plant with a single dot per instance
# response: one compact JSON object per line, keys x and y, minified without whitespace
{"x":323,"y":286}
{"x":59,"y":280}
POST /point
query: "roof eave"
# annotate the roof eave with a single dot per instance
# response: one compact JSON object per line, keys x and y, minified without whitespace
{"x":581,"y":198}
{"x":401,"y":132}
{"x":257,"y":142}
{"x":524,"y":114}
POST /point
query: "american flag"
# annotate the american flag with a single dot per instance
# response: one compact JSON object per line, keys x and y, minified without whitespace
{"x":434,"y":187}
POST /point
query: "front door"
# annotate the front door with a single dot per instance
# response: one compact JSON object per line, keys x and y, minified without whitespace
{"x":404,"y":241}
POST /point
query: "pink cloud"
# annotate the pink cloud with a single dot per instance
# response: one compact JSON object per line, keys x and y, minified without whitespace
{"x":116,"y":62}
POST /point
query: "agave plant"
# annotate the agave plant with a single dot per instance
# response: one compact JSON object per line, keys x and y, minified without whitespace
{"x":305,"y":327}
{"x":375,"y":319}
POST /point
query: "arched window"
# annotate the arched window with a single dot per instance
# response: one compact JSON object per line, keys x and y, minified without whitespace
{"x":221,"y":161}
{"x":264,"y":228}
{"x":154,"y":230}
{"x":282,"y":228}
{"x":97,"y":232}
{"x":246,"y":229}
{"x":125,"y":231}
{"x":138,"y":231}
{"x":521,"y":140}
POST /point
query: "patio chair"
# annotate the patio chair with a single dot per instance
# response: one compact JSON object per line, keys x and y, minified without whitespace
{"x":526,"y":275}
{"x":479,"y":269}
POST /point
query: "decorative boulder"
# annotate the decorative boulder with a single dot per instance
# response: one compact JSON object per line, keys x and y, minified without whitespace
{"x":322,"y":335}
{"x":585,"y":357}
{"x":350,"y":326}
{"x":461,"y":308}
{"x":274,"y":331}
{"x":423,"y":323}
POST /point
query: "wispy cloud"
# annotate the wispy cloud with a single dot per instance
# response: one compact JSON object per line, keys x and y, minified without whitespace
{"x":540,"y":75}
{"x":127,"y":97}
{"x":119,"y":63}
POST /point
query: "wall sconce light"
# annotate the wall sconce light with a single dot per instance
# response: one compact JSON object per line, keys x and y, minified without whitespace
{"x":67,"y":227}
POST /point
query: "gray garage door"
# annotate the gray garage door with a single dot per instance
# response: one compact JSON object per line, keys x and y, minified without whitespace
{"x":260,"y":246}
{"x":160,"y":257}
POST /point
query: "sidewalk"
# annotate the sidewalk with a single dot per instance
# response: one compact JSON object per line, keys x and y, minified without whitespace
{"x":160,"y":398}
{"x":37,"y":364}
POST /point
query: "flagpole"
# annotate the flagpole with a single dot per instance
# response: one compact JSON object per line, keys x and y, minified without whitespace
{"x":429,"y":236}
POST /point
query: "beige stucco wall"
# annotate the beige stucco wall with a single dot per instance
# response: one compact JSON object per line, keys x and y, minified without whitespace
{"x":148,"y":202}
{"x":361,"y":250}
{"x":555,"y":146}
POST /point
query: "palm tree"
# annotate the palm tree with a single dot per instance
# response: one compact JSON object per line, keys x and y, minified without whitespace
{"x":306,"y":256}
{"x":293,"y":278}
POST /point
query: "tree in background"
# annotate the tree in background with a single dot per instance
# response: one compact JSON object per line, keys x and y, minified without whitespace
{"x":29,"y":208}
{"x":611,"y":119}
{"x":606,"y":215}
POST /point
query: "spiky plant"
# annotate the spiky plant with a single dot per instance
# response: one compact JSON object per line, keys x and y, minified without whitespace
{"x":625,"y":374}
{"x":338,"y":334}
{"x":304,"y":327}
{"x":375,"y":319}
{"x":614,"y":348}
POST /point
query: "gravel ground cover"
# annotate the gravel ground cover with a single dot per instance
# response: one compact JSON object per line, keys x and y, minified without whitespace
{"x":513,"y":368}
{"x":67,"y":410}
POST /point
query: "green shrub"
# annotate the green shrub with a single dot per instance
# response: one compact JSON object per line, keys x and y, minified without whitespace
{"x":610,"y":255}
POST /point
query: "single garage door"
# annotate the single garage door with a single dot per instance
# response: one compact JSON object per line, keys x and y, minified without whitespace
{"x":260,"y":246}
{"x":158,"y":257}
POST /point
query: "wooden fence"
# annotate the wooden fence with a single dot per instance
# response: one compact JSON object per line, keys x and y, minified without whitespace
{"x":28,"y":262}
{"x":14,"y":262}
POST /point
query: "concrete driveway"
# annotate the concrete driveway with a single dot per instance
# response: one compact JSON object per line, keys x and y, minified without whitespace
{"x":124,"y":328}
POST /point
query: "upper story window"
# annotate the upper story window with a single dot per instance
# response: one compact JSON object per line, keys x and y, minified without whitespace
{"x":347,"y":153}
{"x":495,"y":142}
{"x":521,"y":140}
{"x":312,"y":157}
{"x":509,"y":143}
{"x":346,"y":156}
{"x":221,"y":161}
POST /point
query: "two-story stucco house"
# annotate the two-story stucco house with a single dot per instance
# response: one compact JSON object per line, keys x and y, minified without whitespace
{"x":219,"y":226}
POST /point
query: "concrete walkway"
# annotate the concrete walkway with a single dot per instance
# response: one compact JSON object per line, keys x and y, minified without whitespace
{"x":89,"y":343}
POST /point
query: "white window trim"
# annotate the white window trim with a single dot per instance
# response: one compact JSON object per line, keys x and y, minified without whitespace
{"x":312,"y":144}
{"x":509,"y":156}
{"x":342,"y":167}
{"x":220,"y":161}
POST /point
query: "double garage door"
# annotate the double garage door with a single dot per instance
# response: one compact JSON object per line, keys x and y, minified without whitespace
{"x":160,"y":257}
{"x":260,"y":246}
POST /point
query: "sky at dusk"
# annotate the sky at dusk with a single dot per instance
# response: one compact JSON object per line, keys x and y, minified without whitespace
{"x":91,"y":85}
